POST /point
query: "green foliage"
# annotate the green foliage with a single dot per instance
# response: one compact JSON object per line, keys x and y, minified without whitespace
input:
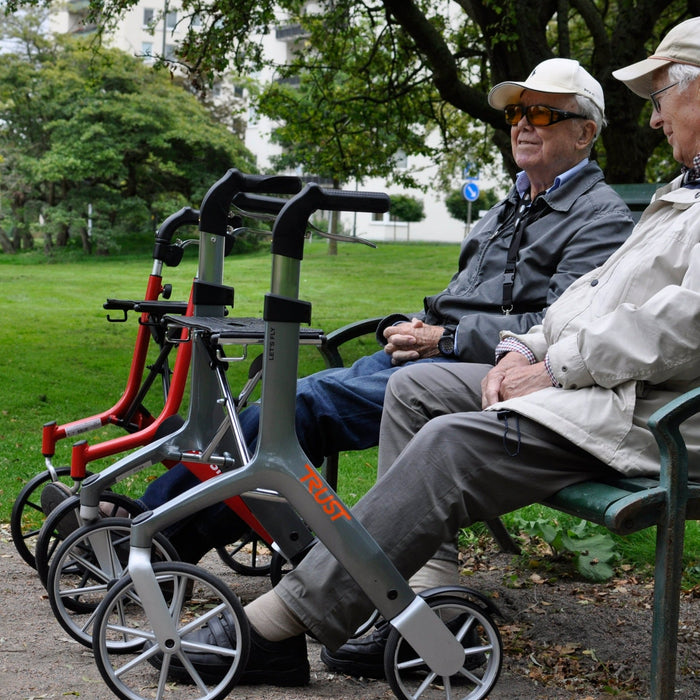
{"x":97,"y":146}
{"x":403,"y":207}
{"x":336,"y":124}
{"x":379,"y":76}
{"x":593,"y":548}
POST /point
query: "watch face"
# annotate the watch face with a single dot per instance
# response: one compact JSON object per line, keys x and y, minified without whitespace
{"x":446,"y":345}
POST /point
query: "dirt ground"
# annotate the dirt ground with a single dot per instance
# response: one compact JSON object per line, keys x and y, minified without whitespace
{"x":564,"y":639}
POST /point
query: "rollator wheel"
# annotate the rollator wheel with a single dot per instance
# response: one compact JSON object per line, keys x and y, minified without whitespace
{"x":409,"y":676}
{"x":249,"y":555}
{"x":279,"y":566}
{"x":86,"y":565}
{"x":27,"y":516}
{"x":65,"y":519}
{"x":134,"y":665}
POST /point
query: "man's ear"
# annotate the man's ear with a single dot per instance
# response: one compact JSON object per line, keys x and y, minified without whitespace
{"x":587,"y":134}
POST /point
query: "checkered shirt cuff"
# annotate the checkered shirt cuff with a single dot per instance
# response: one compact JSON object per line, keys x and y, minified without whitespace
{"x":548,"y":367}
{"x":514,"y":345}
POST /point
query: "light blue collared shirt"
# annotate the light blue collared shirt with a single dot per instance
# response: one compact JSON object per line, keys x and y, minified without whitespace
{"x":522,"y":181}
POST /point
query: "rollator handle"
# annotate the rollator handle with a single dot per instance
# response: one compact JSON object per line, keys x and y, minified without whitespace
{"x":166,"y":251}
{"x":258,"y":203}
{"x":290,"y":226}
{"x":183,"y":217}
{"x":217,"y":201}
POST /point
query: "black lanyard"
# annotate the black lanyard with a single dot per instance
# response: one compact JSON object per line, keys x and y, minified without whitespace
{"x":521,"y":218}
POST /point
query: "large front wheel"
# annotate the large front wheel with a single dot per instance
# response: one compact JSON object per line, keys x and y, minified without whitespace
{"x":410,"y":677}
{"x":86,"y":565}
{"x":196,"y":601}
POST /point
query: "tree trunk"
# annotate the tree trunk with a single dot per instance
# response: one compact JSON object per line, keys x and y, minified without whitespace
{"x":333,"y":226}
{"x":6,"y":243}
{"x":62,"y":237}
{"x":87,"y":243}
{"x":27,"y":239}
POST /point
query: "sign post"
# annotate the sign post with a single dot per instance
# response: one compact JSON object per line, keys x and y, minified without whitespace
{"x":470,"y":191}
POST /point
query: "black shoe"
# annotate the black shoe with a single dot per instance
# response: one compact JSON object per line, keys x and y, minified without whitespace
{"x":272,"y":663}
{"x":364,"y":657}
{"x":361,"y":657}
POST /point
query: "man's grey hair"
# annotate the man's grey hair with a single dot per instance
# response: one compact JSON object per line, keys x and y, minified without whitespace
{"x":590,"y":110}
{"x":683,"y":74}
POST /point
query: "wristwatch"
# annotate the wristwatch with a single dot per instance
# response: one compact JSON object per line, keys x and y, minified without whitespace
{"x":446,"y":344}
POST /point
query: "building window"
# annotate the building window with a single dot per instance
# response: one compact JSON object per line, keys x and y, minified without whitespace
{"x":170,"y":52}
{"x":148,"y":14}
{"x":401,"y":159}
{"x":171,"y":20}
{"x":147,"y":51}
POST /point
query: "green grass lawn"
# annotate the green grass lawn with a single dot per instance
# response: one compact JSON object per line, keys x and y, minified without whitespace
{"x":61,"y":360}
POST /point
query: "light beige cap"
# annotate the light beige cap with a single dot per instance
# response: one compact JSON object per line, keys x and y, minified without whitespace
{"x":680,"y":45}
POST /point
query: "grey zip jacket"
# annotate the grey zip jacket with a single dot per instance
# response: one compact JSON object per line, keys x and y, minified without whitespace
{"x":573,"y":229}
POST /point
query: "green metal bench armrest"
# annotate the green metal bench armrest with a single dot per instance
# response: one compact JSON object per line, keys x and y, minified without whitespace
{"x":330,"y":350}
{"x":665,"y":426}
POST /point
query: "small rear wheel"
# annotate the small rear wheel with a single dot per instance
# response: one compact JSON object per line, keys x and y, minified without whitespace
{"x":410,"y":677}
{"x":249,"y":555}
{"x":27,"y":516}
{"x":65,"y":519}
{"x":132,"y":661}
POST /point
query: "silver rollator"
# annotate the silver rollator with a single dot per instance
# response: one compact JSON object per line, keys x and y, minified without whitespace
{"x":141,"y":626}
{"x":81,"y":568}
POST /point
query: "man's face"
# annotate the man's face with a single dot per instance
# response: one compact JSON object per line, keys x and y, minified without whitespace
{"x":547,"y":151}
{"x":678,"y":116}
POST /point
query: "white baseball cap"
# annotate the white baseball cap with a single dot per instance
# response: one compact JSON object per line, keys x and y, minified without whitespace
{"x":556,"y":75}
{"x":680,"y":45}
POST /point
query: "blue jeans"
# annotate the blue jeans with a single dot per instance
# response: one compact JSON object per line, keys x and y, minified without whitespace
{"x":337,"y":409}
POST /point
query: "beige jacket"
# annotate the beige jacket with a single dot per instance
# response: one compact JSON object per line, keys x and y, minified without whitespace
{"x":624,"y":339}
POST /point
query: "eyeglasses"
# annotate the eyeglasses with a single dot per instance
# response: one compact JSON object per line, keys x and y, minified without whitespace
{"x":538,"y":115}
{"x":655,"y":100}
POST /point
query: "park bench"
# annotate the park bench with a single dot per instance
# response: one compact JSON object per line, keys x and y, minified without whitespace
{"x":636,"y":196}
{"x":623,"y":505}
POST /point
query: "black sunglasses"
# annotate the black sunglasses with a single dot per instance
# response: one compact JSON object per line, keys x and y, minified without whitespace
{"x":538,"y":115}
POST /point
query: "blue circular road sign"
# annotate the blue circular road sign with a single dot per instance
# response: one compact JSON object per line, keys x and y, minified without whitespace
{"x":471,"y":191}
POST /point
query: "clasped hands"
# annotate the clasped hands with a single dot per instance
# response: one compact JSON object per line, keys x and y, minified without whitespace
{"x":412,"y":340}
{"x":512,"y":376}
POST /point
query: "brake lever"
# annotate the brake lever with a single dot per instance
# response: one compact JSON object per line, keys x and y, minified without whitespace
{"x":339,"y":236}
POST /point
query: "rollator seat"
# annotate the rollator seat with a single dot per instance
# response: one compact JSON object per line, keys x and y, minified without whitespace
{"x":243,"y":331}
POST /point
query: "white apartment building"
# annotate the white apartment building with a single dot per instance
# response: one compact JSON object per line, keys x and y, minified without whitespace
{"x":153,"y":27}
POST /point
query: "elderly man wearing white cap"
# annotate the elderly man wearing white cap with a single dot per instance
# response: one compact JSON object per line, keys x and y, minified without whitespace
{"x":566,"y":402}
